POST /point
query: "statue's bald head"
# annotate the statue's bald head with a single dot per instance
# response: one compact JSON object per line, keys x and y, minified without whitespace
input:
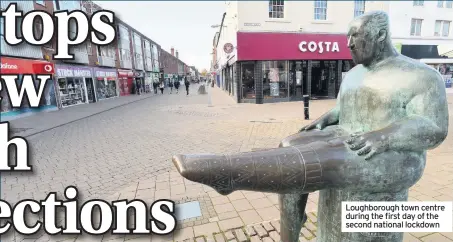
{"x":367,"y":36}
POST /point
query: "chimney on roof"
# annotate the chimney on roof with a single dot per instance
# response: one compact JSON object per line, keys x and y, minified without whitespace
{"x":172,"y":51}
{"x":177,"y":55}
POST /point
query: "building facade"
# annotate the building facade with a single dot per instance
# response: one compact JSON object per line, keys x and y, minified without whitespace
{"x":271,"y":51}
{"x":96,"y":72}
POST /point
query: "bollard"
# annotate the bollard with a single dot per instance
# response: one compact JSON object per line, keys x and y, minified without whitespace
{"x":306,"y":106}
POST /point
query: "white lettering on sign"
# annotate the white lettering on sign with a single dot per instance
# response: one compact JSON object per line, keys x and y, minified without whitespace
{"x":105,"y":74}
{"x":8,"y":66}
{"x":65,"y":72}
{"x":313,"y":46}
{"x":82,"y":73}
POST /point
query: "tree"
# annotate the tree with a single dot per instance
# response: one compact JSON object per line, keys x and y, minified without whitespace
{"x":204,"y":72}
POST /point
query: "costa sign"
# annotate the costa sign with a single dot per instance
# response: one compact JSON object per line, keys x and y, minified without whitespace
{"x":319,"y":47}
{"x":23,"y":66}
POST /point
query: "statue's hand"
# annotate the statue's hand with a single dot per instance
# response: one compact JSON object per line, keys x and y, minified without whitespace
{"x":368,"y":144}
{"x":318,"y":124}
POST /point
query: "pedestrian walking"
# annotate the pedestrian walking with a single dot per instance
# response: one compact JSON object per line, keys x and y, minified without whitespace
{"x":177,"y":83}
{"x":187,"y":83}
{"x":162,"y":86}
{"x":138,"y":86}
{"x":155,"y":87}
{"x":170,"y":84}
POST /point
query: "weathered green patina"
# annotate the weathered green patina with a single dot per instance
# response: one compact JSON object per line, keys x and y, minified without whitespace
{"x":370,"y":147}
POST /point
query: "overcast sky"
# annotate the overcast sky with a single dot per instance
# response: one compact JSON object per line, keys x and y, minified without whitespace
{"x":184,"y":25}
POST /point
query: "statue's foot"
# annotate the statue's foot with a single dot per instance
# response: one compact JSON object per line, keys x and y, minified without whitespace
{"x":206,"y":169}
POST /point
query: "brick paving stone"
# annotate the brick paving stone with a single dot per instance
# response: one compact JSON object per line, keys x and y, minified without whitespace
{"x":270,"y":213}
{"x":436,"y":237}
{"x":250,"y":216}
{"x":268,"y":227}
{"x":237,"y":195}
{"x":241,"y":205}
{"x":223,"y":208}
{"x":255,"y":239}
{"x":312,"y":217}
{"x":231,"y":223}
{"x":206,"y":229}
{"x":199,"y":239}
{"x":183,"y":234}
{"x":410,"y":238}
{"x":310,"y":226}
{"x":219,"y":238}
{"x":276,"y":225}
{"x":210,"y":238}
{"x":260,"y":230}
{"x":274,"y":235}
{"x":261,"y":203}
{"x":229,"y":235}
{"x":306,"y":233}
{"x":267,"y":239}
{"x":250,"y":231}
{"x":240,"y":235}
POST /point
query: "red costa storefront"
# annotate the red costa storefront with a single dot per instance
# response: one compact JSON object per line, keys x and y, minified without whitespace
{"x":126,"y":80}
{"x":21,"y":67}
{"x":273,"y":67}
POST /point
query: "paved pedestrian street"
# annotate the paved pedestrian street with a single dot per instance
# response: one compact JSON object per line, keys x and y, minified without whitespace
{"x":122,"y":148}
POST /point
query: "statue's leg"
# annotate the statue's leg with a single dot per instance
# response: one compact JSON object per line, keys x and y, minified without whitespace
{"x":292,"y":215}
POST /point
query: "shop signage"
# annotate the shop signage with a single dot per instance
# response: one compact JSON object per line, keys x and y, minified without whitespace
{"x":125,"y":73}
{"x":104,"y":72}
{"x":23,"y":66}
{"x":252,"y":24}
{"x":228,"y":48}
{"x":139,"y":74}
{"x":319,"y":47}
{"x":73,"y":71}
{"x":261,"y":46}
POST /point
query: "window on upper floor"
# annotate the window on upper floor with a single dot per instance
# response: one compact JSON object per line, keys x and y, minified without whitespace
{"x":38,"y":31}
{"x":418,"y":3}
{"x":440,"y":3}
{"x":40,"y":2}
{"x":449,"y":4}
{"x":320,"y":10}
{"x":276,"y":9}
{"x":69,"y":5}
{"x":1,"y":28}
{"x":442,"y":28}
{"x":359,"y":7}
{"x":416,"y":27}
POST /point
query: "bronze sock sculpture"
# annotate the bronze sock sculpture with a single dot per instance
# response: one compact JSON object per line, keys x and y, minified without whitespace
{"x":371,"y":147}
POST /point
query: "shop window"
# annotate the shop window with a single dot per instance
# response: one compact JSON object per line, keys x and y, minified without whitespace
{"x":419,"y":3}
{"x":72,"y":91}
{"x":276,"y":9}
{"x":106,"y":88}
{"x":359,"y":7}
{"x":275,"y":79}
{"x":320,"y":10}
{"x":416,"y":27}
{"x":442,"y":28}
{"x":248,"y":80}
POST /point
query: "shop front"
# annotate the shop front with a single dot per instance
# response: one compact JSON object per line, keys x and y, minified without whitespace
{"x":444,"y":67}
{"x":139,"y":78}
{"x":75,"y":85}
{"x":276,"y":67}
{"x":14,"y":66}
{"x":125,"y":79}
{"x":106,"y":83}
{"x":149,"y":77}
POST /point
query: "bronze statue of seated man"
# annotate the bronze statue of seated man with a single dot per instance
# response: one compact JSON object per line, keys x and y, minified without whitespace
{"x":370,"y":147}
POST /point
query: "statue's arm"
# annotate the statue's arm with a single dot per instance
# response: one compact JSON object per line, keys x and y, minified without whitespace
{"x":424,"y":128}
{"x":327,"y":119}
